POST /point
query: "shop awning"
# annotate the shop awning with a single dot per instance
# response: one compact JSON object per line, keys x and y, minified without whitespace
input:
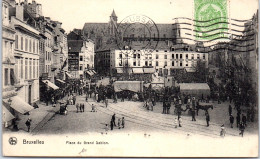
{"x":90,"y":73}
{"x":69,"y":75}
{"x":149,"y":70}
{"x":20,"y":105}
{"x":52,"y":85}
{"x":61,"y":81}
{"x":190,"y":69}
{"x":94,"y":71}
{"x":119,"y":70}
{"x":138,"y":70}
{"x":7,"y":116}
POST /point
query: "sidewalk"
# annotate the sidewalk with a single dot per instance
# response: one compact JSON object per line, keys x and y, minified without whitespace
{"x":38,"y":116}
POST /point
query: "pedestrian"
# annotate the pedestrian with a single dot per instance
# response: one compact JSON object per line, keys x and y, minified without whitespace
{"x":222,"y":131}
{"x":123,"y":122}
{"x":28,"y":124}
{"x":207,"y":118}
{"x":77,"y":106}
{"x":111,"y":124}
{"x":80,"y":107}
{"x":119,"y":123}
{"x":114,"y":119}
{"x":86,"y":98}
{"x":242,"y":129}
{"x":106,"y":128}
{"x":230,"y":110}
{"x":106,"y":101}
{"x":168,"y":107}
{"x":180,"y":121}
{"x":93,"y":108}
{"x":231,"y":119}
{"x":176,"y":122}
{"x":193,"y":115}
{"x":244,"y":120}
{"x":164,"y":107}
{"x":238,"y":119}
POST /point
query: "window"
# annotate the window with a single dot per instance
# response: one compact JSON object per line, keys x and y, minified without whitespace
{"x":134,"y":63}
{"x":37,"y":68}
{"x":187,"y":56}
{"x":46,"y":55}
{"x":26,"y":69}
{"x":139,"y":56}
{"x":157,"y":63}
{"x":30,"y":46}
{"x":6,"y":76}
{"x":26,"y":44}
{"x":165,"y":63}
{"x":203,"y":56}
{"x":187,"y":64}
{"x":134,"y":55}
{"x":120,"y":55}
{"x":165,"y":56}
{"x":33,"y":68}
{"x":180,"y":56}
{"x":146,"y":63}
{"x":172,"y":56}
{"x":172,"y":63}
{"x":198,"y":56}
{"x":30,"y":68}
{"x":150,"y":63}
{"x":80,"y":67}
{"x":16,"y":41}
{"x":81,"y":58}
{"x":21,"y":43}
{"x":120,"y":63}
{"x":157,"y":56}
{"x":177,"y":56}
{"x":165,"y":50}
{"x":173,"y":49}
{"x":12,"y":78}
{"x":33,"y":46}
{"x":21,"y":68}
{"x":192,"y":56}
{"x":156,"y":50}
{"x":138,"y":63}
{"x":37,"y":47}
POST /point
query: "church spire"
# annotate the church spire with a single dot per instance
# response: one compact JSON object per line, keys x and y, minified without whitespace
{"x":113,"y":13}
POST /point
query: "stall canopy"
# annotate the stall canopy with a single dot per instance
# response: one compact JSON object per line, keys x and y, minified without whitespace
{"x":69,"y":75}
{"x":89,"y":73}
{"x":52,"y":85}
{"x":149,"y":70}
{"x":138,"y":70}
{"x":61,"y":81}
{"x":119,"y":70}
{"x":135,"y":86}
{"x":20,"y":105}
{"x":196,"y":89}
{"x":7,"y":116}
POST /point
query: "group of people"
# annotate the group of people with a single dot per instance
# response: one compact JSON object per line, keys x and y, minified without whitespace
{"x":120,"y":123}
{"x":80,"y":107}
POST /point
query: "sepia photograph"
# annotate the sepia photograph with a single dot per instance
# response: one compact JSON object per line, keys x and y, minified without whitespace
{"x":130,"y":78}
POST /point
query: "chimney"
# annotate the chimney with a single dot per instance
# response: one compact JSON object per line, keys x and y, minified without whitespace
{"x":19,"y":11}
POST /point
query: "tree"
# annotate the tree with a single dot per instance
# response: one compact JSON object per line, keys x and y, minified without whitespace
{"x":201,"y":72}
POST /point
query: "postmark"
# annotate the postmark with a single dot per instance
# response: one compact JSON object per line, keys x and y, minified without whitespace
{"x":137,"y":32}
{"x":211,"y":19}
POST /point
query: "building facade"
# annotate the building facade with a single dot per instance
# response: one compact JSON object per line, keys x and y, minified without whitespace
{"x":26,"y":52}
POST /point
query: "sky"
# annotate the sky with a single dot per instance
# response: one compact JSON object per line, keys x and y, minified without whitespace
{"x":74,"y":13}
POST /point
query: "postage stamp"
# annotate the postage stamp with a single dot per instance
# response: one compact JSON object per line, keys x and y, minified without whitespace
{"x":211,"y":19}
{"x":137,"y":32}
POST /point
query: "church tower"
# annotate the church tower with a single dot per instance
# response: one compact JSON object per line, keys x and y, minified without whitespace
{"x":113,"y":23}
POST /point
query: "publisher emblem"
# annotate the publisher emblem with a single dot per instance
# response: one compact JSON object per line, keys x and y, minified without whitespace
{"x":13,"y":140}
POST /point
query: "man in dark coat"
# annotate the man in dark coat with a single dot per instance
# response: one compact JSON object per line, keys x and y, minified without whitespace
{"x":207,"y":118}
{"x":231,"y":119}
{"x":28,"y":124}
{"x":238,"y":119}
{"x":111,"y":124}
{"x":230,"y":110}
{"x":243,"y":119}
{"x":114,"y":119}
{"x":193,"y":115}
{"x":83,"y":107}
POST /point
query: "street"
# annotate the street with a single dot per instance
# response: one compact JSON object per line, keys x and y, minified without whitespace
{"x":138,"y":119}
